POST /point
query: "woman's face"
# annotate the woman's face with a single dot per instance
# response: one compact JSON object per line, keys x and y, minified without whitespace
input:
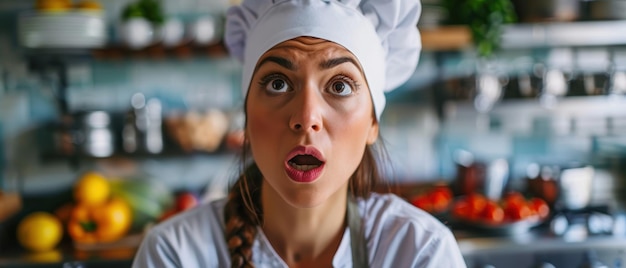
{"x":309,"y":119}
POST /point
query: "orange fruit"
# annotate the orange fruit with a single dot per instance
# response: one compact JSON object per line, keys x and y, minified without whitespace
{"x":92,"y":188}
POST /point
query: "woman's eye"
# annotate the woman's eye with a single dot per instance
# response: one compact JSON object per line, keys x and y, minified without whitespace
{"x":341,"y":88}
{"x":277,"y":85}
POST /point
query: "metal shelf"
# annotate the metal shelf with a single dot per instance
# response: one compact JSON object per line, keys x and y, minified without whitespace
{"x":592,"y":33}
{"x":535,"y":35}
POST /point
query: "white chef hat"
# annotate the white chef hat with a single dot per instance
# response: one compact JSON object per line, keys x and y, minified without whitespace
{"x":382,"y":34}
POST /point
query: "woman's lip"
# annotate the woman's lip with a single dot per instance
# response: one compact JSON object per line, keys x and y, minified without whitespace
{"x":301,"y":175}
{"x":304,"y":150}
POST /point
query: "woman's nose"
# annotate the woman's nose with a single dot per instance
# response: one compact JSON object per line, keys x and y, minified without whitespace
{"x":307,"y":113}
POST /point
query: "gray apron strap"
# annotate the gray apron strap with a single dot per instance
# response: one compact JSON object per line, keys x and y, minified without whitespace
{"x":357,"y":236}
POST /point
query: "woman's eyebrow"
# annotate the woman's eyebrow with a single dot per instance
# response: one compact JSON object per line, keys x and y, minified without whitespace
{"x":280,"y":61}
{"x":336,"y":61}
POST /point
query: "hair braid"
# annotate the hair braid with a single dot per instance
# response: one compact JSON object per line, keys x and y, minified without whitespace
{"x":242,"y":214}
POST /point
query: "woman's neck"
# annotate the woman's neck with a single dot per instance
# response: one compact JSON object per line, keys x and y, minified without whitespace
{"x":304,"y":236}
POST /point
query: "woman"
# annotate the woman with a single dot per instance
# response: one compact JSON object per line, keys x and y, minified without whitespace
{"x":314,"y":74}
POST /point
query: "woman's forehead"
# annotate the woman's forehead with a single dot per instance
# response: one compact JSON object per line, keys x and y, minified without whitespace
{"x":309,"y":45}
{"x":309,"y":49}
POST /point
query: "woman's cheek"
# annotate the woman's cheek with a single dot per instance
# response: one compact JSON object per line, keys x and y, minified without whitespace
{"x":258,"y":127}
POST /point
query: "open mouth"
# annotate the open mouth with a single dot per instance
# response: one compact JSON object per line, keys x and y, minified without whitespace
{"x":304,"y":162}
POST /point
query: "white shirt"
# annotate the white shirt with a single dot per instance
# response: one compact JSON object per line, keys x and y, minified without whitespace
{"x":397,"y":234}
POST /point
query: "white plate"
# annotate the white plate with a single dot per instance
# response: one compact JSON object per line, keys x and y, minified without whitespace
{"x":62,"y":30}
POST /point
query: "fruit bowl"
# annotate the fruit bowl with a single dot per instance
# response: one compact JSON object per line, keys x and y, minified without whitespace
{"x":512,"y":214}
{"x":435,"y":199}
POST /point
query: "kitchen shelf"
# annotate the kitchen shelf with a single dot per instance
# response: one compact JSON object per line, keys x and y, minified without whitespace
{"x":584,"y":33}
{"x":441,"y":38}
{"x":446,"y":38}
{"x":532,"y":35}
{"x":158,"y":51}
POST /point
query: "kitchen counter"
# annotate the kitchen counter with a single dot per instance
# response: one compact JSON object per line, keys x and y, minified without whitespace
{"x":575,"y":248}
{"x":478,"y":249}
{"x":67,"y":256}
{"x":532,"y":243}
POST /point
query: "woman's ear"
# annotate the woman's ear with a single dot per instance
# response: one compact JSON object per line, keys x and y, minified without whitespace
{"x":372,"y":136}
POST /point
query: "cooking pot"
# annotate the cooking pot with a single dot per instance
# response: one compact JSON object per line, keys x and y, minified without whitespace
{"x":562,"y":186}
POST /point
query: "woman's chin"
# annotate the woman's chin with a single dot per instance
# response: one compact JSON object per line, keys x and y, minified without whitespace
{"x":304,"y":200}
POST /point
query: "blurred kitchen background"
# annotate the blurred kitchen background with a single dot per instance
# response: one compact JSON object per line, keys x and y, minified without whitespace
{"x":104,"y":88}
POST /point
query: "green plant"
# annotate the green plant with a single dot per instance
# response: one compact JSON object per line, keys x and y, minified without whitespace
{"x":148,"y":9}
{"x":485,"y":19}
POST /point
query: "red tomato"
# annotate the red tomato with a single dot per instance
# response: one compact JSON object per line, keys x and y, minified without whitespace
{"x":423,"y":202}
{"x":493,"y":213}
{"x":516,"y":207}
{"x":443,"y":190}
{"x":514,"y":198}
{"x":517,"y":211}
{"x":539,"y":206}
{"x":461,"y":209}
{"x":440,"y":200}
{"x":477,"y":203}
{"x":185,"y":201}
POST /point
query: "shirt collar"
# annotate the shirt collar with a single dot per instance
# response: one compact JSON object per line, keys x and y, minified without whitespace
{"x":264,"y":254}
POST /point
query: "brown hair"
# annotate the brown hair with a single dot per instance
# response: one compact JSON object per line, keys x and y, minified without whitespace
{"x":243,"y":214}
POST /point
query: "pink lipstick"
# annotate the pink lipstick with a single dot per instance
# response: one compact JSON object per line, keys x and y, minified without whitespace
{"x":304,"y":164}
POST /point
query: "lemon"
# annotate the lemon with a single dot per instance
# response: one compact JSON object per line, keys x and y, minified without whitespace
{"x":92,"y":188}
{"x":39,"y":232}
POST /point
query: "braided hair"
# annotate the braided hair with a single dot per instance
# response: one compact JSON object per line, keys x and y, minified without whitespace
{"x":242,"y":214}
